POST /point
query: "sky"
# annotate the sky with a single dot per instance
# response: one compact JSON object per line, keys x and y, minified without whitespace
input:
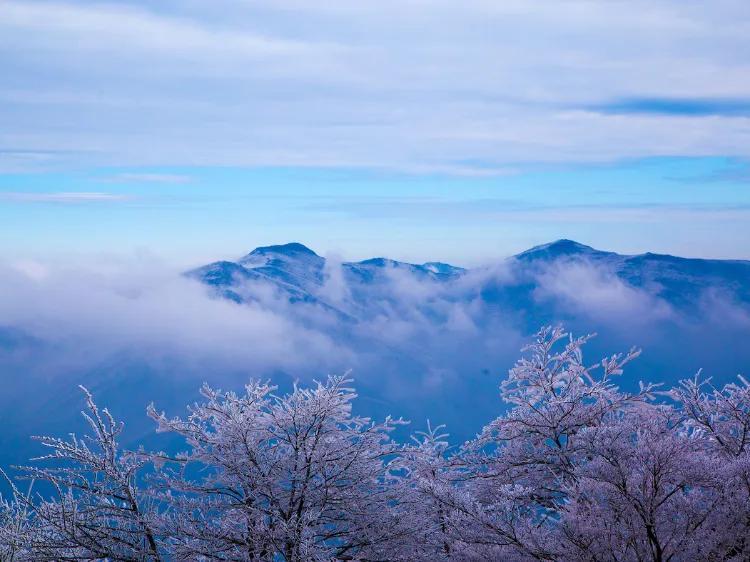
{"x":418,"y":129}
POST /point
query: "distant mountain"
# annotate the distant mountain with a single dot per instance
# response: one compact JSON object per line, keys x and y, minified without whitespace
{"x":676,"y":279}
{"x":300,"y":275}
{"x":426,"y":341}
{"x":561,"y":249}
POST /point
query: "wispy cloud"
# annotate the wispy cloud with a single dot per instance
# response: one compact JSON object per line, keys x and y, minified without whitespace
{"x":736,"y":170}
{"x":293,"y":83}
{"x":517,"y":210}
{"x":129,"y":28}
{"x":24,"y":159}
{"x":691,"y":107}
{"x":64,"y":197}
{"x":148,"y":178}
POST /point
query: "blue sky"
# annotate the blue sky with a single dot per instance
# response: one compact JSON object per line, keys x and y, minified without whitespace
{"x":694,"y":207}
{"x":419,"y":130}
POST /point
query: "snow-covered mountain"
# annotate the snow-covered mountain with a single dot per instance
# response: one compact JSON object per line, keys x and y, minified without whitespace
{"x":300,"y":275}
{"x":674,"y":278}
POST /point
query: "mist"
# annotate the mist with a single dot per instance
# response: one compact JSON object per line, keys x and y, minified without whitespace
{"x":135,"y":330}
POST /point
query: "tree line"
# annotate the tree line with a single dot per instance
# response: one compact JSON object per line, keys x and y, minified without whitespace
{"x":574,"y":469}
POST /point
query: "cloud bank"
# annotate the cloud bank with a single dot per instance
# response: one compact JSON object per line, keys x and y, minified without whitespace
{"x":427,"y":87}
{"x":135,"y":330}
{"x":143,"y":308}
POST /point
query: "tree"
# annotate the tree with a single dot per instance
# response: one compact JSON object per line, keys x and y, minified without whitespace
{"x":295,"y":477}
{"x":96,"y":509}
{"x":15,"y":524}
{"x":646,"y":492}
{"x":429,"y":495}
{"x":576,"y":469}
{"x":524,"y":463}
{"x":720,"y":420}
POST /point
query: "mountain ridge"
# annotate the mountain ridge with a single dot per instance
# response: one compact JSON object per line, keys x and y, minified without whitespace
{"x":299,"y":275}
{"x":561,"y":246}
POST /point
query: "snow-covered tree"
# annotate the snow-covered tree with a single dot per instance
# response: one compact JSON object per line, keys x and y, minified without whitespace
{"x":15,"y":524}
{"x":95,"y":508}
{"x":297,"y":477}
{"x":720,"y":420}
{"x":647,"y":491}
{"x":429,"y":492}
{"x":527,"y":459}
{"x":722,"y":416}
{"x":575,"y":469}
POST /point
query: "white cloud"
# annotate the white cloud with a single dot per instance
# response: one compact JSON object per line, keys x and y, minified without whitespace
{"x":144,"y":309}
{"x":149,"y":178}
{"x":334,"y":289}
{"x":64,"y":197}
{"x":427,"y":86}
{"x":136,"y":329}
{"x":122,"y":28}
{"x":583,"y":288}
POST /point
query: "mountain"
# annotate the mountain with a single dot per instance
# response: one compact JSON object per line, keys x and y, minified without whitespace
{"x":298,"y":274}
{"x":677,"y":280}
{"x":423,"y":340}
{"x":292,"y":264}
{"x":561,"y":249}
{"x":443,"y":328}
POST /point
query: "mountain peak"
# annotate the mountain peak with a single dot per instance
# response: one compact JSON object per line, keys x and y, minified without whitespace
{"x":565,"y":245}
{"x":558,"y":248}
{"x":380,"y":262}
{"x":290,"y":249}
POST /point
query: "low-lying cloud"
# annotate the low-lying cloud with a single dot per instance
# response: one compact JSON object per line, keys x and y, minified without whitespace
{"x":152,"y":311}
{"x":598,"y":293}
{"x":135,"y":330}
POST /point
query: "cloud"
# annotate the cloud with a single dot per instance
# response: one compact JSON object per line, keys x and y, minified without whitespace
{"x":135,"y":330}
{"x":32,"y":269}
{"x":118,"y":28}
{"x":693,"y":107}
{"x":65,"y":197}
{"x":334,"y":289}
{"x":13,"y":160}
{"x":735,"y":171}
{"x":479,"y":89}
{"x":141,"y":307}
{"x":589,"y":290}
{"x":513,"y":210}
{"x":149,"y":178}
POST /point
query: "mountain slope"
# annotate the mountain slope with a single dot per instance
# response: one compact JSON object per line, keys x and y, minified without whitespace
{"x":677,"y":280}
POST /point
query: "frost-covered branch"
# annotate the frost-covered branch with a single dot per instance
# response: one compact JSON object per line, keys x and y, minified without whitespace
{"x":574,"y":469}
